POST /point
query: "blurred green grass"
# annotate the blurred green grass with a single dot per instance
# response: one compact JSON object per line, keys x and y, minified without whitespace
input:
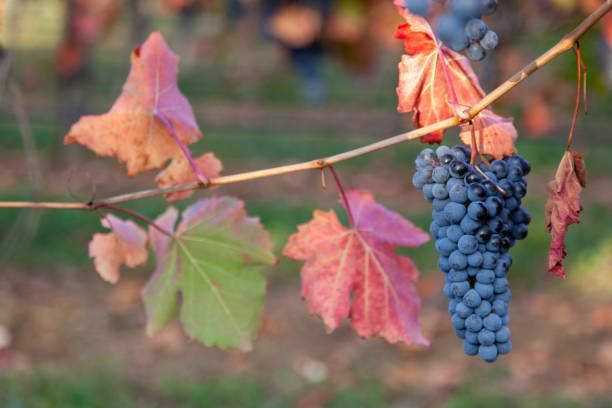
{"x":101,"y":389}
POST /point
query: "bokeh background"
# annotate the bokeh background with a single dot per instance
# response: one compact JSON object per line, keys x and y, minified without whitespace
{"x":275,"y":82}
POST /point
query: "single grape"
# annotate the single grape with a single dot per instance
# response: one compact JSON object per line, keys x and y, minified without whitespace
{"x":473,"y":323}
{"x":489,"y":260}
{"x":485,"y":337}
{"x":485,"y":276}
{"x":500,"y":285}
{"x":457,"y":193}
{"x":484,"y":290}
{"x":488,"y":353}
{"x":483,"y":235}
{"x":492,"y":322}
{"x":475,"y":29}
{"x":504,"y":348}
{"x":458,"y":261}
{"x":427,"y":192}
{"x":459,"y":323}
{"x":476,"y":259}
{"x":443,"y":264}
{"x":490,"y":185}
{"x":506,"y":296}
{"x":476,"y":52}
{"x":419,"y":180}
{"x":462,"y":310}
{"x":472,"y":177}
{"x":477,"y":211}
{"x":460,"y":42}
{"x":439,"y":205}
{"x":443,"y":150}
{"x":460,"y":333}
{"x":440,"y":174}
{"x":445,"y":246}
{"x":462,"y":153}
{"x":483,"y":309}
{"x":476,"y":192}
{"x":499,"y":168}
{"x":456,"y":275}
{"x":452,"y":305}
{"x":520,"y":190}
{"x":467,"y":245}
{"x":502,"y":335}
{"x":468,"y":225}
{"x":472,"y":337}
{"x":470,"y":348}
{"x":494,"y":206}
{"x":454,"y":212}
{"x":519,"y":231}
{"x":458,"y":168}
{"x":439,"y":191}
{"x":459,"y":289}
{"x":472,"y":299}
{"x":489,"y":41}
{"x":454,"y":233}
{"x":488,"y":6}
{"x":500,"y":307}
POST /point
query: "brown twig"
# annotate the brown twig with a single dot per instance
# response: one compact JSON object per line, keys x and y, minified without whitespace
{"x":564,"y":45}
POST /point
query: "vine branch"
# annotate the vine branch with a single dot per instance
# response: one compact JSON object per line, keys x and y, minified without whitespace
{"x":564,"y":45}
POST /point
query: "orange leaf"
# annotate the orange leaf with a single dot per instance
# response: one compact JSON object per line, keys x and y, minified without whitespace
{"x":361,"y":260}
{"x":180,"y":172}
{"x":125,"y":245}
{"x":563,"y":206}
{"x":495,"y":135}
{"x":130,"y":131}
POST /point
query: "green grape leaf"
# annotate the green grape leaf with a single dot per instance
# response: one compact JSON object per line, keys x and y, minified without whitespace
{"x":213,"y":261}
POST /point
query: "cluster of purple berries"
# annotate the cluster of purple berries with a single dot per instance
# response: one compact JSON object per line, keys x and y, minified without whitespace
{"x":477,"y":218}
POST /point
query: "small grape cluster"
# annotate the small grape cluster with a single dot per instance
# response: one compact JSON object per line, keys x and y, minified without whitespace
{"x":462,"y":27}
{"x":477,"y":218}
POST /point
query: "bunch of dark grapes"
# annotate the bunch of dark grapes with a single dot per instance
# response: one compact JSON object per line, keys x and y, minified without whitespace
{"x":462,"y":26}
{"x":477,"y":218}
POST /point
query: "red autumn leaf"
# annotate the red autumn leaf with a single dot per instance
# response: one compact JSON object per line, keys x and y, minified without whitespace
{"x":563,"y":206}
{"x":131,"y":131}
{"x":425,"y":90}
{"x":494,"y":134}
{"x":180,"y":172}
{"x":125,"y":245}
{"x":361,"y":260}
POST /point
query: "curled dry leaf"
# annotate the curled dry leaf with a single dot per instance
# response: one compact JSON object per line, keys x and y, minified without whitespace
{"x":494,"y":134}
{"x":180,"y":172}
{"x":125,"y":245}
{"x":563,"y":206}
{"x":362,"y":261}
{"x":131,"y":131}
{"x":212,"y":262}
{"x":424,"y":89}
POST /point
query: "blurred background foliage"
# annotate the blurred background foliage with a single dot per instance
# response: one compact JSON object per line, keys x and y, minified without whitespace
{"x":274,"y":82}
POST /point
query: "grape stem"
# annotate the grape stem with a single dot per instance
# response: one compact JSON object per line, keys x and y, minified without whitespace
{"x":344,"y":199}
{"x":564,"y":45}
{"x":575,"y":117}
